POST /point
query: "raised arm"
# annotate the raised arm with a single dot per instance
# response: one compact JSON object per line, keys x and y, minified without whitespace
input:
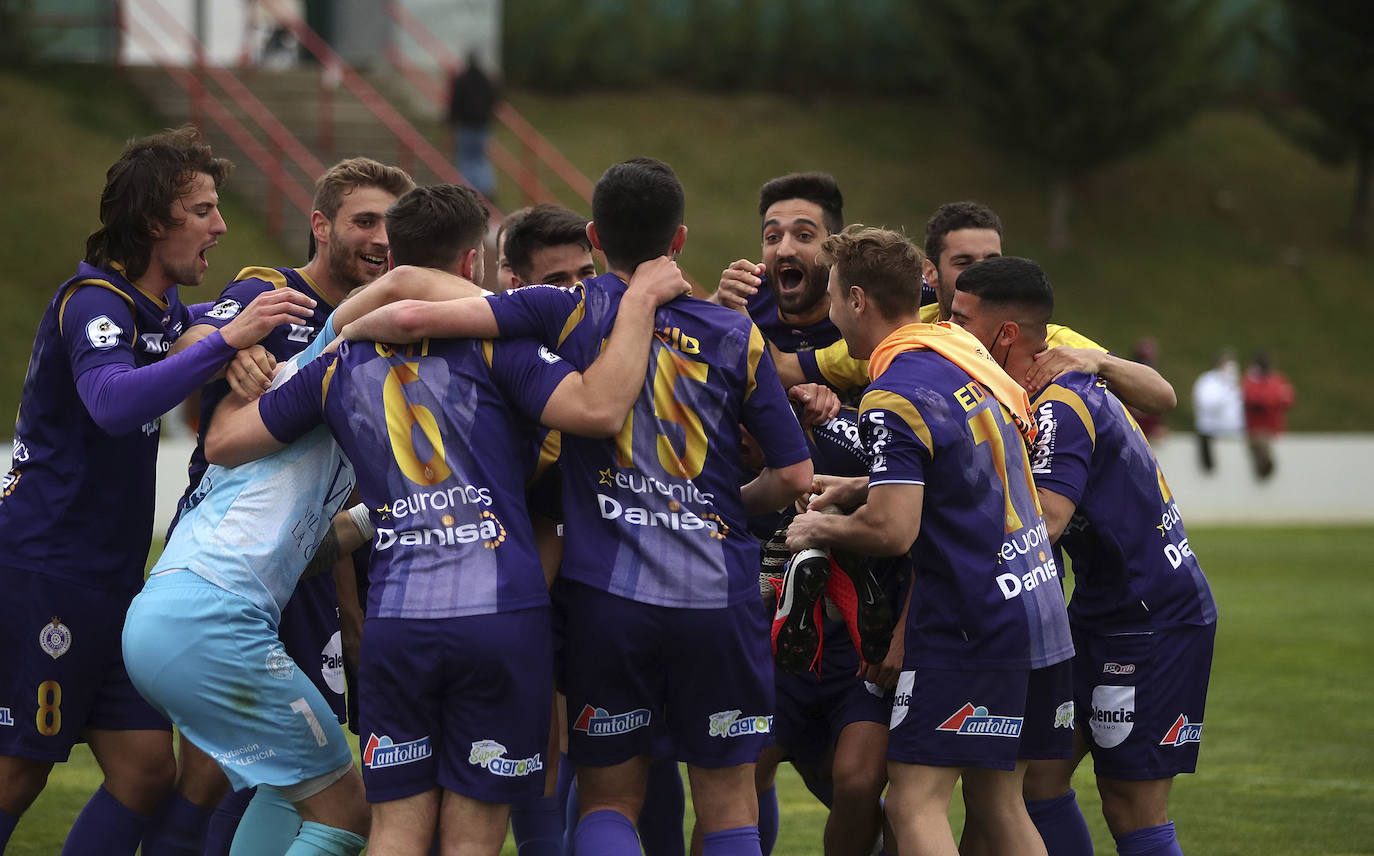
{"x":596,"y":402}
{"x":1134,"y":383}
{"x":412,"y":320}
{"x":405,"y":282}
{"x":237,"y":433}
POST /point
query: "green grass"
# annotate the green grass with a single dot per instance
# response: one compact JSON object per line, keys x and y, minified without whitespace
{"x":1286,"y":757}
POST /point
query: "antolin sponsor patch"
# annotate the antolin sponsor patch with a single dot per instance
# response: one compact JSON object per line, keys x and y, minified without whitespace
{"x":381,"y":752}
{"x":1182,"y":731}
{"x":976,"y":720}
{"x":597,"y":722}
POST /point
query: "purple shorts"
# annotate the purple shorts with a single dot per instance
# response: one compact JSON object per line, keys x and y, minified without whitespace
{"x":812,"y":709}
{"x":309,"y":631}
{"x":63,"y":666}
{"x":636,"y":673}
{"x":458,"y":703}
{"x":1141,"y":698}
{"x":957,"y":718}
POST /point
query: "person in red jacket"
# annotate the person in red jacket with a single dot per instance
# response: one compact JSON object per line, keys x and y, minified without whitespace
{"x":1268,"y":395}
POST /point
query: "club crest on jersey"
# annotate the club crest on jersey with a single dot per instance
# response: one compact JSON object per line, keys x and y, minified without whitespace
{"x":491,"y":756}
{"x":1182,"y":731}
{"x":5,"y":717}
{"x":977,"y":721}
{"x":381,"y":752}
{"x":55,"y":638}
{"x":597,"y":722}
{"x":729,"y":723}
{"x":102,"y":332}
{"x":279,"y":664}
{"x":225,"y":309}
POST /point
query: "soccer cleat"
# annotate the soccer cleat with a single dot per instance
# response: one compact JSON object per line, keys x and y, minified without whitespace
{"x":773,"y":567}
{"x":866,"y":609}
{"x":797,"y":622}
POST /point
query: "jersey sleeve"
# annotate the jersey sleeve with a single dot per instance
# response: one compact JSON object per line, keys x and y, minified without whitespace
{"x":1063,"y":448}
{"x":98,"y":328}
{"x":767,"y":413}
{"x":834,"y":367}
{"x":527,"y":372}
{"x":296,"y":405}
{"x":897,"y":438}
{"x":547,"y":313}
{"x":235,"y":296}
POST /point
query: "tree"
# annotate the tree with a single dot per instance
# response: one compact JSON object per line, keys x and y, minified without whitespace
{"x":1069,"y":86}
{"x":1329,"y":66}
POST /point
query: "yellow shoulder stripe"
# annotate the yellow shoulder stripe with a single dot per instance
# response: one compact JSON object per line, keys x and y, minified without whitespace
{"x":882,"y":399}
{"x":1055,"y":392}
{"x":574,"y":319}
{"x":71,"y":289}
{"x":839,"y":369}
{"x":756,"y":348}
{"x":328,"y":379}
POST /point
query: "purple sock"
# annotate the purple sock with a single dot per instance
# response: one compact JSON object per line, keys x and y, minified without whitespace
{"x":570,"y":821}
{"x":219,"y":837}
{"x":1150,"y":841}
{"x":7,"y":824}
{"x":740,"y":841}
{"x":1060,"y":823}
{"x":660,"y":821}
{"x":768,"y":820}
{"x":178,"y":829}
{"x":105,"y":826}
{"x":606,"y":833}
{"x":538,"y":826}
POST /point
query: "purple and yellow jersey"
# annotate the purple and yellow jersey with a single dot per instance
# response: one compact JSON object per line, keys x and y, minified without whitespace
{"x":763,"y":309}
{"x":655,"y":513}
{"x":986,"y":591}
{"x":282,"y":342}
{"x":78,"y":503}
{"x":440,"y":434}
{"x":1132,"y":565}
{"x":833,"y":366}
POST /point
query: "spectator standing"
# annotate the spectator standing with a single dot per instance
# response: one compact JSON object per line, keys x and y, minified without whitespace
{"x":470,"y":107}
{"x":1218,"y":409}
{"x":1268,"y":395}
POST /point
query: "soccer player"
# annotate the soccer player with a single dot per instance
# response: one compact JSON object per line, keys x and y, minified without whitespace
{"x":666,"y":633}
{"x":349,"y":249}
{"x":76,"y":511}
{"x":549,"y":245}
{"x":505,"y":277}
{"x":799,"y":211}
{"x":456,"y":673}
{"x":244,"y":540}
{"x":944,"y":426}
{"x":1142,"y":613}
{"x":960,"y":234}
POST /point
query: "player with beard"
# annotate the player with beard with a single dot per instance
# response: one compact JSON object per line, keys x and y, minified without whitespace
{"x":348,"y":246}
{"x":960,"y":234}
{"x":76,"y":510}
{"x":799,"y":211}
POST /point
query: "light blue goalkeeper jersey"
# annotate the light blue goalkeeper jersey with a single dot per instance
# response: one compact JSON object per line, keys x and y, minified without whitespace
{"x":252,"y":529}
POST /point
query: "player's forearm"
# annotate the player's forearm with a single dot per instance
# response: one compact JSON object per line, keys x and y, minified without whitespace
{"x":404,"y":283}
{"x":866,"y":531}
{"x":121,"y":397}
{"x":776,"y":488}
{"x":237,"y":433}
{"x":613,"y":382}
{"x":1138,"y":385}
{"x":412,"y":320}
{"x":788,"y":366}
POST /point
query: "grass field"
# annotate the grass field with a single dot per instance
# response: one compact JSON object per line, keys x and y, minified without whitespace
{"x":1287,"y":760}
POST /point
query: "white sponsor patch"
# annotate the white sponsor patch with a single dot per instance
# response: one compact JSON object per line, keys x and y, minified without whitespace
{"x":1112,"y":715}
{"x":549,"y":356}
{"x":103,"y":333}
{"x":331,"y":663}
{"x":225,"y":309}
{"x":901,"y":699}
{"x":5,"y":717}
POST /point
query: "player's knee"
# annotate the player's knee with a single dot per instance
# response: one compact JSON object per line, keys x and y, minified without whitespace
{"x":21,"y":781}
{"x":1128,"y":806}
{"x":859,"y":783}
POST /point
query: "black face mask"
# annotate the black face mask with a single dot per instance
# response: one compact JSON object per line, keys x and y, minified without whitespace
{"x":1007,"y":354}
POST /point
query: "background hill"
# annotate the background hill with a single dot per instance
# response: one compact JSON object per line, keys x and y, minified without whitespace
{"x":1225,"y":235}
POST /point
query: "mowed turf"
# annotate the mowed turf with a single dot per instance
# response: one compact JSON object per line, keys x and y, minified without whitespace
{"x":1286,"y":757}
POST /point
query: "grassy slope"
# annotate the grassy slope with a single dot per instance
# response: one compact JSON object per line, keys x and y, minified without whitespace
{"x":71,"y":124}
{"x":1284,"y":766}
{"x":1154,"y":256}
